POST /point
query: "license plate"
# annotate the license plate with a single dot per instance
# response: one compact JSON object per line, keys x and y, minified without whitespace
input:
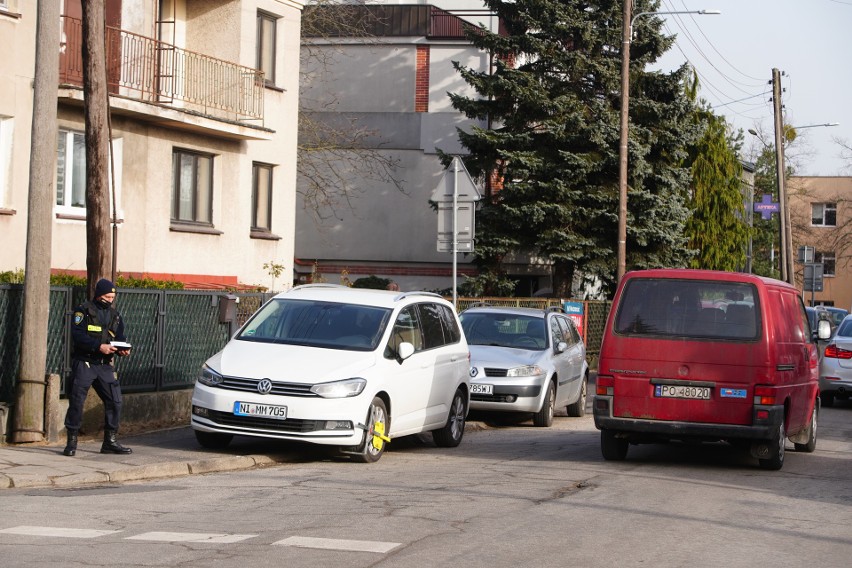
{"x":481,"y":389}
{"x":261,"y":410}
{"x":682,"y":391}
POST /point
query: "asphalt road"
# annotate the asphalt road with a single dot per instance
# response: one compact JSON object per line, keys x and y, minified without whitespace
{"x":510,"y":495}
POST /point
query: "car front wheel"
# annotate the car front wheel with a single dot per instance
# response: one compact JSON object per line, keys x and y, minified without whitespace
{"x":544,"y":417}
{"x":373,"y":445}
{"x":451,"y":434}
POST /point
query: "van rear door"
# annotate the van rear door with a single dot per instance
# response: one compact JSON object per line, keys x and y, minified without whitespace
{"x":686,"y":350}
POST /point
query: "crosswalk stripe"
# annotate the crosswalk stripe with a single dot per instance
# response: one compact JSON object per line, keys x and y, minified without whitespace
{"x":338,"y":544}
{"x":56,"y":531}
{"x":216,"y":538}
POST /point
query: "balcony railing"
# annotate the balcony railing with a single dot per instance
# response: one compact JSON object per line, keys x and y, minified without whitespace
{"x":152,"y":71}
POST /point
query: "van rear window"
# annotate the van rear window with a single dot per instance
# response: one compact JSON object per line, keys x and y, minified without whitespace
{"x":689,"y":308}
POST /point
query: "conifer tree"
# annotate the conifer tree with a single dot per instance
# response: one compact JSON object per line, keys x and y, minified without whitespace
{"x":550,"y":151}
{"x":717,"y":228}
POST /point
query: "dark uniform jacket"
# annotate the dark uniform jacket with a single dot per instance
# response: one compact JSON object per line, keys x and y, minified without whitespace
{"x":92,"y":326}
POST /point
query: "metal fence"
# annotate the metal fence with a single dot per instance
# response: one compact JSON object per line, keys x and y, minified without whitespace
{"x":174,"y":331}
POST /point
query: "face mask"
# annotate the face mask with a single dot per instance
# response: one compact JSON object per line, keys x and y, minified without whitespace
{"x":101,"y":303}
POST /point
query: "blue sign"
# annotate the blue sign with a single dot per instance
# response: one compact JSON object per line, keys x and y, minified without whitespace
{"x":573,"y":307}
{"x":767,"y":207}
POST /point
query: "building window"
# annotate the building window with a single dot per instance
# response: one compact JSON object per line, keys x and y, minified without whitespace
{"x":71,"y":172}
{"x":266,"y":24}
{"x":71,"y":169}
{"x":828,"y":262}
{"x":6,"y":124}
{"x":824,"y":214}
{"x":192,"y":187}
{"x":261,"y":197}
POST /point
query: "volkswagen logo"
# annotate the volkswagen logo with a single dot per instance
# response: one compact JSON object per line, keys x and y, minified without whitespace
{"x":264,"y":386}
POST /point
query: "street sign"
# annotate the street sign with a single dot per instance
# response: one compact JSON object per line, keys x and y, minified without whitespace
{"x":813,"y":277}
{"x":467,"y":192}
{"x":767,"y":207}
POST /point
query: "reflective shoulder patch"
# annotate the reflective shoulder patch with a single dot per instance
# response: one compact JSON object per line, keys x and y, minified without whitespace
{"x":78,"y":317}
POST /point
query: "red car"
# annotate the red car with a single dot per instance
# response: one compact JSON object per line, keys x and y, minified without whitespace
{"x":699,"y":355}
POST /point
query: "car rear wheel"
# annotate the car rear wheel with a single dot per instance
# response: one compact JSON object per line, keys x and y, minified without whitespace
{"x":776,"y":451}
{"x":612,"y":447}
{"x":578,"y":409}
{"x":373,"y":446}
{"x":451,"y":434}
{"x":213,"y":440}
{"x":544,"y":417}
{"x":810,"y":445}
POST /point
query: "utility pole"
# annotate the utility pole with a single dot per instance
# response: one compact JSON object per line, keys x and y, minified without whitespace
{"x":786,"y":264}
{"x":626,"y":30}
{"x":28,"y":421}
{"x":95,"y":95}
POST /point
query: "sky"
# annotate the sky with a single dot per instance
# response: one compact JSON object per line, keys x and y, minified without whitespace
{"x":734,"y":54}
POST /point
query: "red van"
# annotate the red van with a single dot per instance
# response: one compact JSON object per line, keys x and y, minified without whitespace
{"x":700,"y":355}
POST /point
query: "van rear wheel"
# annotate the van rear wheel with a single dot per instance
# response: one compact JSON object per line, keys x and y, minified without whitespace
{"x":612,"y":447}
{"x":776,"y":451}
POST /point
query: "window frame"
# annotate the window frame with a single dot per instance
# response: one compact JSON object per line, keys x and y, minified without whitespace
{"x":7,"y":127}
{"x":820,"y":258}
{"x":177,"y":153}
{"x":66,"y":160}
{"x":269,"y":75}
{"x":826,"y":208}
{"x":256,"y":167}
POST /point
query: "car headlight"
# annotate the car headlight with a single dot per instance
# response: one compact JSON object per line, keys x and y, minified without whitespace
{"x":525,"y":371}
{"x":340,"y":389}
{"x":209,"y":377}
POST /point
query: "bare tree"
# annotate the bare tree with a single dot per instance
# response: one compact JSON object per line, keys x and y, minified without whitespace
{"x":334,"y":153}
{"x":98,"y":254}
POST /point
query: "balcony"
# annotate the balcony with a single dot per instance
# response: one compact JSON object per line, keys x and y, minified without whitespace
{"x":188,"y":89}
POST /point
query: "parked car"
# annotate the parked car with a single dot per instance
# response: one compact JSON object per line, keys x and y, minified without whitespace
{"x":339,"y":366}
{"x":837,"y":314}
{"x":525,"y":360}
{"x":672,"y":369}
{"x":835,"y":372}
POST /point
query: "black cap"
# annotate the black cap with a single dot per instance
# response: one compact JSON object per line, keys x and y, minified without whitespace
{"x":103,"y":286}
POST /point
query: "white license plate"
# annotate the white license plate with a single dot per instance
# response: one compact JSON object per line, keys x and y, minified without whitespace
{"x":682,"y":391}
{"x":261,"y":410}
{"x":481,"y":389}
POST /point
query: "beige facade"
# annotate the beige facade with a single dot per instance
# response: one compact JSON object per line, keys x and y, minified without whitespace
{"x":204,"y":144}
{"x":821,"y":217}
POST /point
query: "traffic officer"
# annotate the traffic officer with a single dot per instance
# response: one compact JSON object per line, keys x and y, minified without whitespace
{"x":95,"y":326}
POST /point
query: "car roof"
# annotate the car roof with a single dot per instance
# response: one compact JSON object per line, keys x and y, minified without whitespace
{"x":696,"y":274}
{"x":518,"y":311}
{"x":361,"y":296}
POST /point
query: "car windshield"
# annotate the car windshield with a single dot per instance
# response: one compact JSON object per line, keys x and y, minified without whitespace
{"x":317,"y":324}
{"x":504,"y":330}
{"x":692,"y":308}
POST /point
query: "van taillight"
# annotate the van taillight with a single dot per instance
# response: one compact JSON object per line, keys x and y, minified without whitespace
{"x":604,"y":385}
{"x":764,"y":395}
{"x":834,"y":352}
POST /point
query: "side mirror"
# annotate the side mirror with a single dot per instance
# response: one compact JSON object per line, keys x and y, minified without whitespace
{"x":405,"y":350}
{"x":823,"y":329}
{"x":561,"y":347}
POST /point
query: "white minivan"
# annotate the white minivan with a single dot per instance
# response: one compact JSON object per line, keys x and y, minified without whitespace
{"x":339,"y":366}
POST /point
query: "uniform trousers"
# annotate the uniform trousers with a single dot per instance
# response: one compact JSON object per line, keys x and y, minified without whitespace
{"x":102,"y":377}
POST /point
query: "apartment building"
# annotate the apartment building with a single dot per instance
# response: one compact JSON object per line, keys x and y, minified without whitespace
{"x":821,"y":217}
{"x":385,"y":83}
{"x":204,"y":104}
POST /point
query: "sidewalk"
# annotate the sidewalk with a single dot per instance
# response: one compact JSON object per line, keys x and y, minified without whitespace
{"x":156,"y":455}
